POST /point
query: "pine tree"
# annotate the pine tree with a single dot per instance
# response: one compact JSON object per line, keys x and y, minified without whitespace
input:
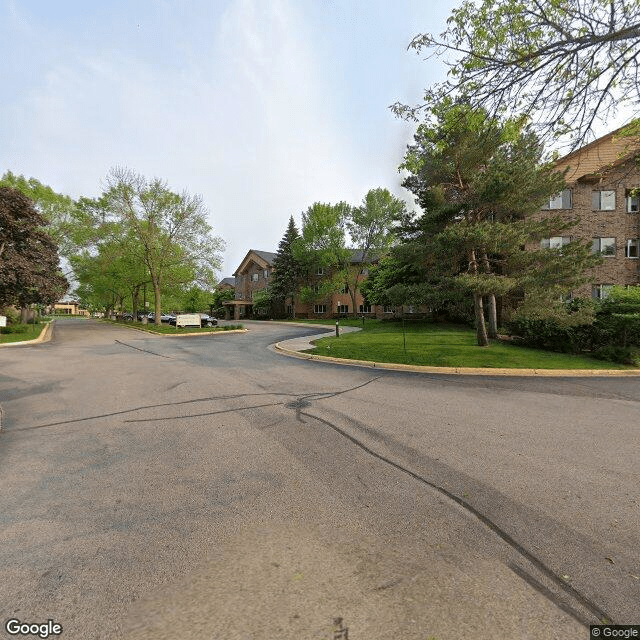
{"x":286,"y":270}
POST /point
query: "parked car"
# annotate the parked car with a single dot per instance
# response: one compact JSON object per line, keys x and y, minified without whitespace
{"x":208,"y":321}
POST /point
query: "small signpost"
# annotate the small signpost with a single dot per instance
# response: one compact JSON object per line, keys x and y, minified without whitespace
{"x":3,"y":322}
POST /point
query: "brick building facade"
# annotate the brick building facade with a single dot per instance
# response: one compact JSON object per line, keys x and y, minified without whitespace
{"x":600,"y":180}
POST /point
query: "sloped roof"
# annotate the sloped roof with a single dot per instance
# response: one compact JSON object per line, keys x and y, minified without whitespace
{"x":608,"y":151}
{"x":230,"y":281}
{"x":262,"y":258}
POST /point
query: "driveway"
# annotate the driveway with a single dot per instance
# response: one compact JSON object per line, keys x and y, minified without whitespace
{"x":208,"y":487}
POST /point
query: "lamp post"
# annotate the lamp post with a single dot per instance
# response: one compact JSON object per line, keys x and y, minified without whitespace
{"x":338,"y":321}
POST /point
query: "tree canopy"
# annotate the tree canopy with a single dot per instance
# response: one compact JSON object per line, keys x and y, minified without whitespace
{"x":566,"y":63}
{"x":478,"y":180}
{"x":29,"y":261}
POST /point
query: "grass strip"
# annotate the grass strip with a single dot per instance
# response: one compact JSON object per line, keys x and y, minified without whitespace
{"x":167,"y":329}
{"x":442,"y":345}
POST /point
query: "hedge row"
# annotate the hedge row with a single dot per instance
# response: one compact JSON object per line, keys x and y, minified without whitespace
{"x":611,"y":336}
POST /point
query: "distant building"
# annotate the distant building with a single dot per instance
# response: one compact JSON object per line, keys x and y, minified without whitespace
{"x":70,"y":308}
{"x":255,"y":272}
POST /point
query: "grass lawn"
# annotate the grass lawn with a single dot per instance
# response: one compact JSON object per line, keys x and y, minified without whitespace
{"x":26,"y":332}
{"x":169,"y":330}
{"x":443,"y":346}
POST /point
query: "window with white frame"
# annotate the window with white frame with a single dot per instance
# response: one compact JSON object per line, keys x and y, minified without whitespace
{"x":365,"y":308}
{"x":562,"y":200}
{"x":411,"y":309}
{"x":319,"y":271}
{"x":603,"y":200}
{"x":345,"y":289}
{"x":556,"y":242}
{"x":604,"y":246}
{"x":265,"y":273}
{"x":601,"y":291}
{"x":319,"y":308}
{"x":343,"y":308}
{"x":388,"y":309}
{"x":633,"y":202}
{"x":254,"y":277}
{"x":632,"y":248}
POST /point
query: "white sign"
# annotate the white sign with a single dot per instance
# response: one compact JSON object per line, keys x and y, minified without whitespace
{"x":3,"y":321}
{"x":188,"y":320}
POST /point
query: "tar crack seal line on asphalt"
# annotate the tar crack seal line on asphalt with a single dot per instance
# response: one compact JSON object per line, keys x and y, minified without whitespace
{"x":593,"y":608}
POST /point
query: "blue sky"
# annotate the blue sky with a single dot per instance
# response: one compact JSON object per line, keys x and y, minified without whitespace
{"x":261,"y":106}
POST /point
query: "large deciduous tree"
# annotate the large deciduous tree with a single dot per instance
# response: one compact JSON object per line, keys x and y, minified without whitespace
{"x":322,"y":246}
{"x":568,"y":63}
{"x":370,"y":227}
{"x":29,"y":261}
{"x":175,"y":242}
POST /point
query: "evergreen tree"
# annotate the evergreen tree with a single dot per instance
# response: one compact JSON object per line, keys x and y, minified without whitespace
{"x":479,"y":180}
{"x":286,"y":275}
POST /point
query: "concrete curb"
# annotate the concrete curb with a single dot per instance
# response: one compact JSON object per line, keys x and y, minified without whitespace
{"x":44,"y":336}
{"x":468,"y":371}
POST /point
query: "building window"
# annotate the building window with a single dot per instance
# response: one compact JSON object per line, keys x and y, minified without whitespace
{"x":319,"y":271}
{"x":345,"y":289}
{"x":604,"y":246}
{"x":603,"y":200}
{"x":601,"y":291}
{"x":560,"y":201}
{"x":633,"y":202}
{"x":265,"y":273}
{"x":289,"y":310}
{"x":632,"y":248}
{"x":364,"y":271}
{"x":411,"y":309}
{"x":365,"y":308}
{"x":554,"y":243}
{"x":254,"y":277}
{"x":319,"y":308}
{"x":343,"y":308}
{"x":388,"y":309}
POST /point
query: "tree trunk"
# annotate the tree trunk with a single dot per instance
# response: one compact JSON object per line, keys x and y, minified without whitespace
{"x":481,"y":328}
{"x":492,"y":314}
{"x":158,"y":305}
{"x":491,"y":299}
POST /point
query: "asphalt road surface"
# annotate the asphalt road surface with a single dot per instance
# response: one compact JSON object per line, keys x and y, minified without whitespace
{"x":206,"y":487}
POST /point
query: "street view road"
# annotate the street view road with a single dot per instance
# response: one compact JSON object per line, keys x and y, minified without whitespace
{"x":208,"y":487}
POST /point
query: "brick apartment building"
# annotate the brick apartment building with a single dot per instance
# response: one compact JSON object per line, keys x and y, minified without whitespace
{"x":600,"y":180}
{"x":254,"y":274}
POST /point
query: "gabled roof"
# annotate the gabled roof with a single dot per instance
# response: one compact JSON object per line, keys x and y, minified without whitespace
{"x":263,"y":259}
{"x":229,"y":281}
{"x":611,"y":150}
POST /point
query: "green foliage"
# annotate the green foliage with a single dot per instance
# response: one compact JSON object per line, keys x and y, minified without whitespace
{"x":622,"y":300}
{"x":29,"y":260}
{"x":141,"y":233}
{"x":59,"y":210}
{"x":287,"y":270}
{"x":478,"y":180}
{"x":568,"y":63}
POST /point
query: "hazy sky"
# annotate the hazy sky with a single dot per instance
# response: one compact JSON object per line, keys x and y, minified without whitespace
{"x":261,"y":106}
